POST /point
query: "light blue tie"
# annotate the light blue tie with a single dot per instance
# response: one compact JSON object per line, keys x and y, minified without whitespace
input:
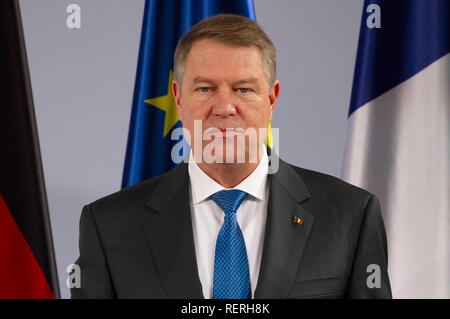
{"x":231,"y":274}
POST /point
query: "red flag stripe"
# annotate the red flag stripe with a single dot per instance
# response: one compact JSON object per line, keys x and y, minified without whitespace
{"x":20,"y":274}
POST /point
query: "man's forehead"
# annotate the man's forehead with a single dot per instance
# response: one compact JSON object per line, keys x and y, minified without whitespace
{"x":209,"y":58}
{"x":204,"y":48}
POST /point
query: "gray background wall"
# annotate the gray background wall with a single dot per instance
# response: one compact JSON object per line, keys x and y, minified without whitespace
{"x":83,"y":79}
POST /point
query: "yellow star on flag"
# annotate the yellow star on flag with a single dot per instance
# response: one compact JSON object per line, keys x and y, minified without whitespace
{"x":167,"y":104}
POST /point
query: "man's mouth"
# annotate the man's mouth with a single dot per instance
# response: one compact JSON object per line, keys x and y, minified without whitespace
{"x":226,"y":131}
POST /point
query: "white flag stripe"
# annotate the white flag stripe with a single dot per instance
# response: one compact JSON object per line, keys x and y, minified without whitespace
{"x":398,"y":147}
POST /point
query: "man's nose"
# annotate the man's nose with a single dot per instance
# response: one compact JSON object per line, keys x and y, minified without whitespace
{"x":224,"y":103}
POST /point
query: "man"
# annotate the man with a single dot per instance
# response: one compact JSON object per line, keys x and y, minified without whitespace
{"x":221,"y":226}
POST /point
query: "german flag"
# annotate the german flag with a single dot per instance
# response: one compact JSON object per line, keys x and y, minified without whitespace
{"x":27,"y":261}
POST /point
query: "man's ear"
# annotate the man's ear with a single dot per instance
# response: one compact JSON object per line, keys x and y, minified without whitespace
{"x":176,"y":91}
{"x":273,"y":96}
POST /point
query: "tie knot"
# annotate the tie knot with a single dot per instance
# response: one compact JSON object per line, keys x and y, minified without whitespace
{"x":229,"y":200}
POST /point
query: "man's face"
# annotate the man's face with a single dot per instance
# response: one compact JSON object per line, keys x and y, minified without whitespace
{"x":226,"y":88}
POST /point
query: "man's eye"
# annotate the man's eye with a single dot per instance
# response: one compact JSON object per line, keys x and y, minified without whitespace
{"x":204,"y":90}
{"x":244,"y":90}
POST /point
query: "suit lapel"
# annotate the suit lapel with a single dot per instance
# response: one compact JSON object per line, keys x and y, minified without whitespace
{"x":170,"y":235}
{"x":284,"y":240}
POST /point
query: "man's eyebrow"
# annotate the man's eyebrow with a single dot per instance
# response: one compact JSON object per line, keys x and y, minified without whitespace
{"x":199,"y":79}
{"x":249,"y":80}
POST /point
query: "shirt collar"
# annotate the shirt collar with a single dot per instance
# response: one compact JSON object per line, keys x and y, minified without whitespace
{"x":203,"y":186}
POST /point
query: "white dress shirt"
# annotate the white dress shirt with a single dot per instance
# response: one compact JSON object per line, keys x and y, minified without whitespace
{"x":207,"y":218}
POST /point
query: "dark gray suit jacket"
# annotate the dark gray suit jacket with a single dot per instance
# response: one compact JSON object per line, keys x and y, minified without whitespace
{"x":138,"y":242}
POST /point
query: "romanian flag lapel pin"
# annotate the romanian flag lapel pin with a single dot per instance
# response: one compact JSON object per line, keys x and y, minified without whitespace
{"x":298,"y":220}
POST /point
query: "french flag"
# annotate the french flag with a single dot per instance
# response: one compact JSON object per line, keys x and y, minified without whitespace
{"x":398,"y":141}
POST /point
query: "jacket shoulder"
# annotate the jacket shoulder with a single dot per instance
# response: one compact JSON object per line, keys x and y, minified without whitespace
{"x":332,"y":190}
{"x":132,"y":193}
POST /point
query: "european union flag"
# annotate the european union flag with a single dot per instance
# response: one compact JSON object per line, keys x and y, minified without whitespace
{"x":154,"y":115}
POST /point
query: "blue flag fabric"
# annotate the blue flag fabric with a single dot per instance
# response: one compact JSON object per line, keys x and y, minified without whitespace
{"x":153,"y":115}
